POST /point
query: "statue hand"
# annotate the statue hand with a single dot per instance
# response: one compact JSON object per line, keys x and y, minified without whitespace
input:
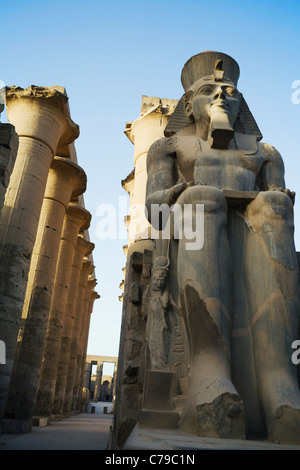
{"x":289,"y":193}
{"x":176,"y":190}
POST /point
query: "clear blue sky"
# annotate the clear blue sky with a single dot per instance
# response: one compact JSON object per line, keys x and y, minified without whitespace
{"x":109,"y":54}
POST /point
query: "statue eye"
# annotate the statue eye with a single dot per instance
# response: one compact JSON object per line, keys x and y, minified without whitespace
{"x":231,"y":91}
{"x":206,"y":90}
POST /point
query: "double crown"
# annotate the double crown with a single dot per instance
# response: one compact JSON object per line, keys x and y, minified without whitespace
{"x":209,"y":64}
{"x":217,"y":66}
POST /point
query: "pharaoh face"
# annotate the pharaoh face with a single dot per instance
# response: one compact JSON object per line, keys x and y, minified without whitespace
{"x":212,"y":97}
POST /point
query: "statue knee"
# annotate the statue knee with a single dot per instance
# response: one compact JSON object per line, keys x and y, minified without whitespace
{"x":271,"y":207}
{"x":276,"y":198}
{"x":211,"y":198}
{"x":276,"y":204}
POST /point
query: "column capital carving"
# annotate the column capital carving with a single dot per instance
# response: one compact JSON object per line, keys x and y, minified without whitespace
{"x":80,"y":216}
{"x":87,"y":268}
{"x":150,"y":125}
{"x":83,"y":248}
{"x":91,"y":284}
{"x":94,"y":296}
{"x":85,"y":245}
{"x":42,"y":113}
{"x":65,"y":179}
{"x":79,"y":175}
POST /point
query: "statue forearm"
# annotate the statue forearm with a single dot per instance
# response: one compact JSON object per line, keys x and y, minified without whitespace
{"x":157,"y":197}
{"x":166,"y":196}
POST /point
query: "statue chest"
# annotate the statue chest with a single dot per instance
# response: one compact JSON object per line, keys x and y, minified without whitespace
{"x":230,"y":169}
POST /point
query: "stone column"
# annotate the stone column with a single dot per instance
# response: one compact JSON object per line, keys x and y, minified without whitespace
{"x":145,"y":130}
{"x":114,"y":384}
{"x":65,"y":179}
{"x":9,"y":142}
{"x":98,"y":381}
{"x":42,"y":121}
{"x":89,"y":298}
{"x":87,"y":378}
{"x":83,"y":248}
{"x":87,"y":268}
{"x":77,"y":219}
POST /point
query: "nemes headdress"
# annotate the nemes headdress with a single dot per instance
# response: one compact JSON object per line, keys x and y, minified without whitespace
{"x":217,"y":66}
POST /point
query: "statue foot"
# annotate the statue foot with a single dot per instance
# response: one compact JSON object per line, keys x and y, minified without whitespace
{"x":286,"y":425}
{"x":222,"y":418}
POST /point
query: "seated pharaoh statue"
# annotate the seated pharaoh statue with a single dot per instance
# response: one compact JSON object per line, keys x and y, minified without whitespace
{"x":237,"y":291}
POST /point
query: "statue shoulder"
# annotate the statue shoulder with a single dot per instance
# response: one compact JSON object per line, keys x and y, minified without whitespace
{"x":166,"y":146}
{"x":269,"y":153}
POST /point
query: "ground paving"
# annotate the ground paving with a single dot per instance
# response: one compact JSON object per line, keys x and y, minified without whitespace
{"x":85,"y":431}
{"x":91,"y":431}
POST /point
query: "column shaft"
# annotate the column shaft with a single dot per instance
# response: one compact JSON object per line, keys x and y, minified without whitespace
{"x":42,"y":122}
{"x":83,"y":248}
{"x":98,"y":381}
{"x":65,"y":178}
{"x":76,"y":219}
{"x":86,"y":270}
{"x":82,"y":344}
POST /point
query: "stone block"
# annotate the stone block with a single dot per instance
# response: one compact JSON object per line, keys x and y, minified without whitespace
{"x":158,"y":390}
{"x":56,"y":417}
{"x":40,"y":421}
{"x":159,"y":419}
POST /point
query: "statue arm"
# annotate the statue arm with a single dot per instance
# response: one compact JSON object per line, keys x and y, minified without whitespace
{"x":272,"y":171}
{"x":161,"y":182}
{"x":271,"y":175}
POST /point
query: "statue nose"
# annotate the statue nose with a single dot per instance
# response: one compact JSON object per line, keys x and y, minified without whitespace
{"x":220,"y":94}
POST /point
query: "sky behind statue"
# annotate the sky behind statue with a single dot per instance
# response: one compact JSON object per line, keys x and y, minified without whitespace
{"x":109,"y":54}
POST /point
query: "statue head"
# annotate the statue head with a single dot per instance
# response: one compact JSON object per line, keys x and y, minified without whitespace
{"x":212,"y":101}
{"x":214,"y":107}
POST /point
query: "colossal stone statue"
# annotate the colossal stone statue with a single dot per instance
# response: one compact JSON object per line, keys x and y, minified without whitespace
{"x":238,"y":292}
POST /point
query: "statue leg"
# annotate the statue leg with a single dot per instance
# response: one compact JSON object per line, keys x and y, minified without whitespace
{"x":213,"y":406}
{"x":271,"y":273}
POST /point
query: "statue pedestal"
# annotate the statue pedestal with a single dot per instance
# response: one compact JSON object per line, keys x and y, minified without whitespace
{"x":157,"y":409}
{"x":154,"y":419}
{"x":173,"y":440}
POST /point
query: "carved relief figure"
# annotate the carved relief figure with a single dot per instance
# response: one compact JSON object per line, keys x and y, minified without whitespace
{"x":238,"y":294}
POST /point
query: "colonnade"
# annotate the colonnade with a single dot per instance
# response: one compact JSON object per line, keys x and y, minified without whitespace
{"x":47,"y":277}
{"x":99,"y":362}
